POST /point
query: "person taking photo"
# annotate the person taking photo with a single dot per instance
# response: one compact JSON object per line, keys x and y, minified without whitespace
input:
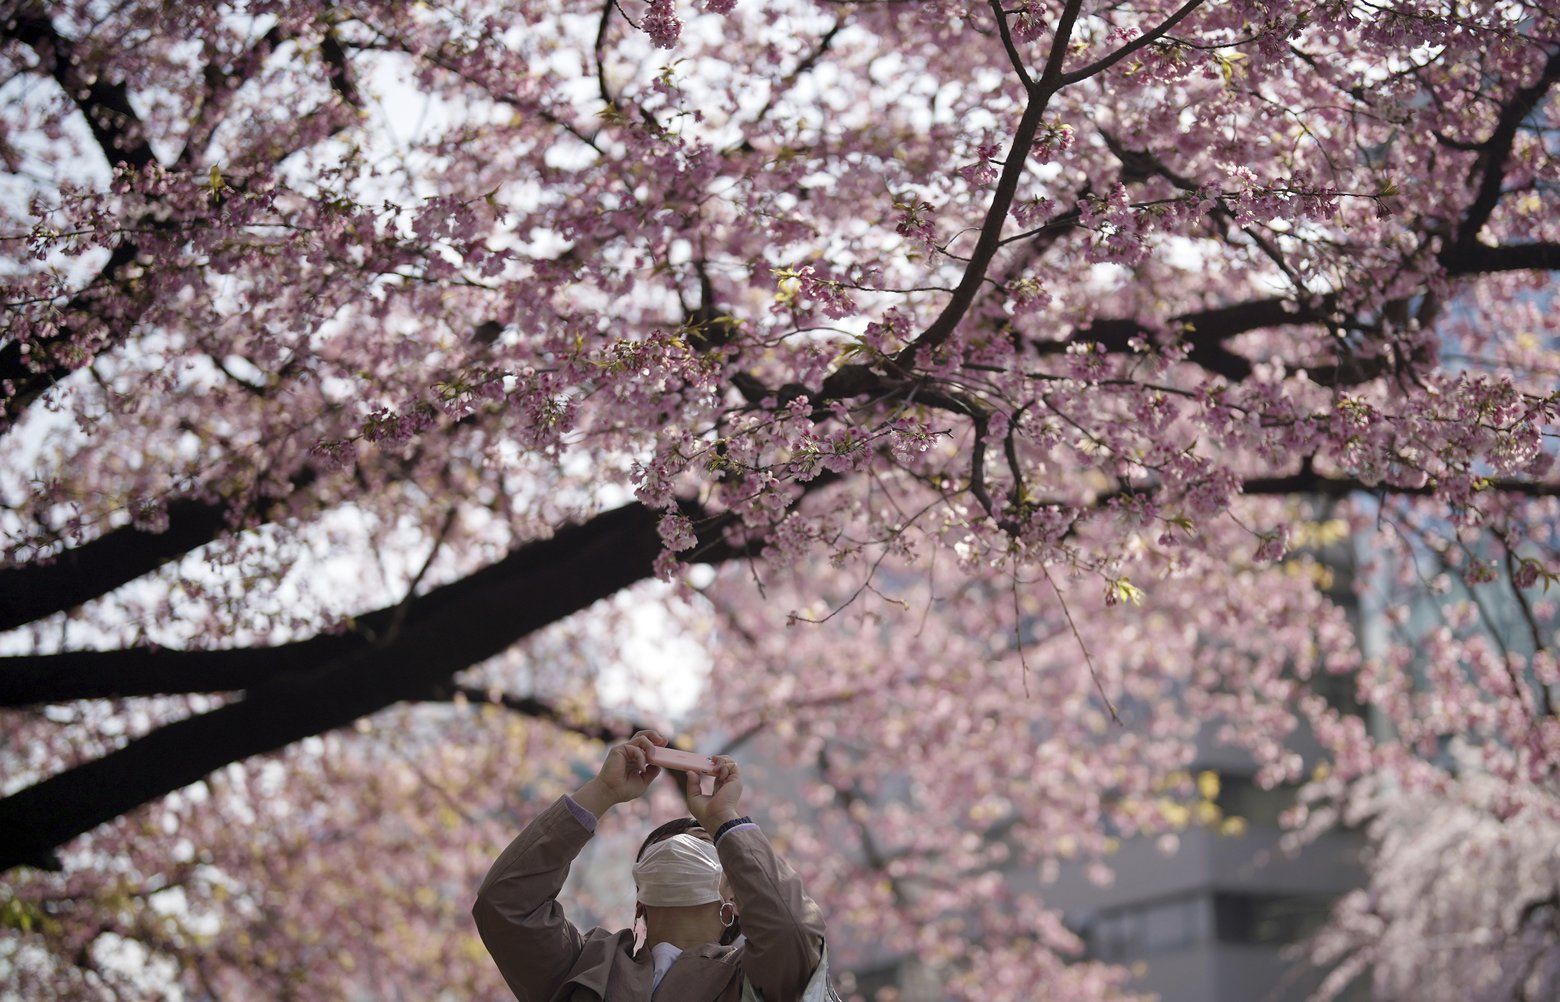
{"x":725,"y":918}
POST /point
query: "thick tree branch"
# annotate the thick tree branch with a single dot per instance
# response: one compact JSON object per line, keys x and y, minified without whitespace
{"x":104,"y":104}
{"x":1490,"y":168}
{"x":457,"y":626}
{"x":339,"y":70}
{"x":1480,"y":259}
{"x":119,"y":556}
{"x":34,"y":679}
{"x":27,"y":680}
{"x":450,"y":628}
{"x":1308,"y":481}
{"x":1204,"y":330}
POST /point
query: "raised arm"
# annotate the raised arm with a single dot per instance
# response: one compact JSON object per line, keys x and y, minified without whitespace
{"x":783,"y":926}
{"x":517,"y":911}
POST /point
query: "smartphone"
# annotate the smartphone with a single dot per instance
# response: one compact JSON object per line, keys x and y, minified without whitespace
{"x":671,"y":758}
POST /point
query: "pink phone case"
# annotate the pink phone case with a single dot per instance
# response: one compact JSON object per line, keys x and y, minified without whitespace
{"x":682,"y":761}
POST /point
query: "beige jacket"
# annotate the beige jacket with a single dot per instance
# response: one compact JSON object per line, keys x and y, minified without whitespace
{"x":544,"y":958}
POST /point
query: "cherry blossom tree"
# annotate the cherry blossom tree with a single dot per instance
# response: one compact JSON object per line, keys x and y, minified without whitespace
{"x":980,"y":382}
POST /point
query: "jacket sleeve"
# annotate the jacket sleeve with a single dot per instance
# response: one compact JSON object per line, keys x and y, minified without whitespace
{"x":783,"y":926}
{"x":517,"y":912}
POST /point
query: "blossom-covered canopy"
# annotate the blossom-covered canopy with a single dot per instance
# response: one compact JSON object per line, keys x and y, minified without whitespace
{"x":993,"y":388}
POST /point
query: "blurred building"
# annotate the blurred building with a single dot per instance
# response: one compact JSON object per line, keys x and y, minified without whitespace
{"x":1213,"y":921}
{"x":1218,"y":920}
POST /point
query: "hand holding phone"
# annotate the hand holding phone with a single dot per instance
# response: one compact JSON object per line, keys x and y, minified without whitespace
{"x":681,"y":761}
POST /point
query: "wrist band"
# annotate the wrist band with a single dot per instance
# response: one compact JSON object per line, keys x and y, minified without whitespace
{"x":723,"y":829}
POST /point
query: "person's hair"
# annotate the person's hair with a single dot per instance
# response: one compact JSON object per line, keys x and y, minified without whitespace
{"x":678,"y":826}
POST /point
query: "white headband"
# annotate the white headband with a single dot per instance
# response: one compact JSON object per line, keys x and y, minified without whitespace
{"x":682,"y":870}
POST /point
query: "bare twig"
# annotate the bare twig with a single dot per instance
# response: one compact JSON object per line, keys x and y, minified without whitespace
{"x":1087,"y":657}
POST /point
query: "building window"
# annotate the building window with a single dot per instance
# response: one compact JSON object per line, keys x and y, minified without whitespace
{"x":1240,"y":797}
{"x":1268,"y":919}
{"x":1153,"y":927}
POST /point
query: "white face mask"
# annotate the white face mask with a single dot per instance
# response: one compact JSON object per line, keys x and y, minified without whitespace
{"x":682,"y":870}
